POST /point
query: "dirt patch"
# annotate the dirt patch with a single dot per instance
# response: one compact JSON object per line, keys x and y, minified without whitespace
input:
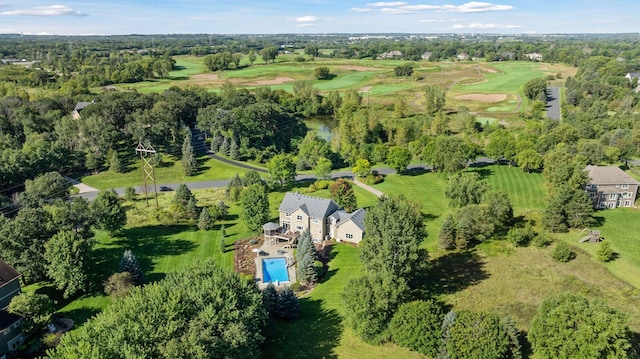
{"x":498,"y":97}
{"x":366,"y":89}
{"x":491,"y":71}
{"x":358,"y":68}
{"x":205,"y":77}
{"x":276,"y":81}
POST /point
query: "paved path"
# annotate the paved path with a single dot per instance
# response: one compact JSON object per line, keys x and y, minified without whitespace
{"x":553,"y":103}
{"x":368,"y":188}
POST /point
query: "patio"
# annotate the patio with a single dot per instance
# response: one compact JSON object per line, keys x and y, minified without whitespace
{"x":275,"y":250}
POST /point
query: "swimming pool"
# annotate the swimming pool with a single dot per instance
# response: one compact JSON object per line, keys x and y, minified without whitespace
{"x":274,"y":269}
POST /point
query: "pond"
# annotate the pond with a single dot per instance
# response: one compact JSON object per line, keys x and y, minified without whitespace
{"x":322,"y":125}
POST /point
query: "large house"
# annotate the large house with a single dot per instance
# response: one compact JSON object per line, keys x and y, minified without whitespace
{"x":322,"y":217}
{"x":11,"y":337}
{"x":390,"y":55}
{"x":611,"y":187}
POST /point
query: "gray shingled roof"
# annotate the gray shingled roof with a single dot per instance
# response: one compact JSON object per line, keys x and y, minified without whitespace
{"x":312,"y":206}
{"x":270,"y":226}
{"x":81,"y":105}
{"x":357,"y":217}
{"x":609,"y":175}
{"x":7,"y":273}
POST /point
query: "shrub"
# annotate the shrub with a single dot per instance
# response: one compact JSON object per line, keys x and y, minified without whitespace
{"x":417,"y":326}
{"x":604,"y":253}
{"x":521,"y":236}
{"x":323,"y":184}
{"x":372,"y":179}
{"x":253,"y":241}
{"x":50,"y":340}
{"x":130,"y":193}
{"x":562,"y":252}
{"x":540,"y":241}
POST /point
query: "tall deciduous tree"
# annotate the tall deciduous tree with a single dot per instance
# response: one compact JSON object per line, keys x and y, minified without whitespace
{"x":370,"y":303}
{"x":200,"y":312}
{"x":465,"y":189}
{"x":255,"y":206}
{"x":322,"y":169}
{"x":435,"y":98}
{"x":570,"y":326}
{"x":68,"y":258}
{"x":45,"y":188}
{"x":342,"y":193}
{"x":108,"y":210}
{"x":399,"y":158}
{"x":35,"y":309}
{"x":395,"y":229}
{"x":282,"y":170}
{"x":362,"y":167}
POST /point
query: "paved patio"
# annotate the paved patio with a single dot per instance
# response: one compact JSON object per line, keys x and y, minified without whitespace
{"x":277,"y":250}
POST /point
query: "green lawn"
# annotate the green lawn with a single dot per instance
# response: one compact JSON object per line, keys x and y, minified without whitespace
{"x":526,"y":190}
{"x":170,"y":171}
{"x":509,"y":79}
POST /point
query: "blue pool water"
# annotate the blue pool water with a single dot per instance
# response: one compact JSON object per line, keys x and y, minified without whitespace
{"x":274,"y":269}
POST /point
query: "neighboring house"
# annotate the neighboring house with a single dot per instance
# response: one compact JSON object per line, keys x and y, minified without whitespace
{"x":534,"y":56}
{"x":462,"y":56}
{"x":427,"y":55}
{"x":11,"y":337}
{"x":79,"y":107}
{"x":507,"y":56}
{"x":391,"y":55}
{"x":322,"y":217}
{"x":611,"y":187}
{"x":632,"y":75}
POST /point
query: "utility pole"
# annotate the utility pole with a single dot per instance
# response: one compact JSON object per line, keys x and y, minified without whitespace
{"x":148,"y":169}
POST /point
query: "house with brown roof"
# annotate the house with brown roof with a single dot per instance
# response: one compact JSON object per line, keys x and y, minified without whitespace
{"x":322,"y":217}
{"x":611,"y":187}
{"x":391,"y":55}
{"x":11,"y":337}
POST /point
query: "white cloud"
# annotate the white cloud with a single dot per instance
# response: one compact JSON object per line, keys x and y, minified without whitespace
{"x":387,"y":3}
{"x":360,"y":9}
{"x":430,"y":21}
{"x":306,"y":25}
{"x":308,"y":18}
{"x":395,"y":11}
{"x":51,"y":10}
{"x":476,"y":6}
{"x":480,"y":26}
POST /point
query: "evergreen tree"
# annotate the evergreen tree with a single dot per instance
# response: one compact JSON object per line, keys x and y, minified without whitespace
{"x":216,"y":141}
{"x":234,"y":153}
{"x":604,"y":253}
{"x":182,"y":196}
{"x":447,"y":236}
{"x":288,"y":306}
{"x":189,"y":161}
{"x":270,"y":298}
{"x":307,"y":269}
{"x":223,"y":242}
{"x":129,"y":263}
{"x":224,"y":146}
{"x":114,"y":163}
{"x":205,"y":222}
{"x":192,"y":209}
{"x":234,"y":188}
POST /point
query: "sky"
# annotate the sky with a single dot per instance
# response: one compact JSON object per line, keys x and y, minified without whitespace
{"x":116,"y":17}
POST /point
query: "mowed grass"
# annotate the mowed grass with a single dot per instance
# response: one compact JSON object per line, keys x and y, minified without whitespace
{"x":320,"y":332}
{"x":509,"y":78}
{"x":526,"y":190}
{"x":170,"y":171}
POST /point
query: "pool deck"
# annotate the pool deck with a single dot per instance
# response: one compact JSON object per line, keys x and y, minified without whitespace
{"x":278,"y":250}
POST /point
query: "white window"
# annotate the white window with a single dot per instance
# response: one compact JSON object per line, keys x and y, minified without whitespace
{"x":612,"y":196}
{"x":592,"y":194}
{"x":611,"y":205}
{"x":624,"y":186}
{"x":601,"y":205}
{"x":627,"y":203}
{"x":299,"y":217}
{"x":314,"y":220}
{"x":349,"y":236}
{"x":299,"y":228}
{"x":593,"y":186}
{"x":626,"y":194}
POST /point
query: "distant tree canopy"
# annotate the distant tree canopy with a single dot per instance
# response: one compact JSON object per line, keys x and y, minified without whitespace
{"x":536,"y":89}
{"x":220,"y":315}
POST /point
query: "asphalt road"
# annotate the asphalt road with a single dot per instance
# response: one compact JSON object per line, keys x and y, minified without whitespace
{"x":553,"y":102}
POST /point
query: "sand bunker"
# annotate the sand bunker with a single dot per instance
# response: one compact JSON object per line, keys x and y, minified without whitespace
{"x":359,"y":68}
{"x":276,"y":81}
{"x":366,"y":89}
{"x":205,"y":77}
{"x":491,"y":71}
{"x":498,"y":97}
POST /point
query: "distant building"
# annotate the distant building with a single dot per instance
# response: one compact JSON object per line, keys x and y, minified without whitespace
{"x":462,"y":56}
{"x":391,"y":55}
{"x":427,"y":55}
{"x":611,"y":187}
{"x":534,"y":56}
{"x":79,"y":107}
{"x":11,"y":337}
{"x":632,"y":75}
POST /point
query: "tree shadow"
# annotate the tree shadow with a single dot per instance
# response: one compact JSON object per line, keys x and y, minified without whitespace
{"x":81,"y":315}
{"x":484,"y":173}
{"x":598,"y":221}
{"x":452,"y":273}
{"x":322,"y":330}
{"x":416,"y":171}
